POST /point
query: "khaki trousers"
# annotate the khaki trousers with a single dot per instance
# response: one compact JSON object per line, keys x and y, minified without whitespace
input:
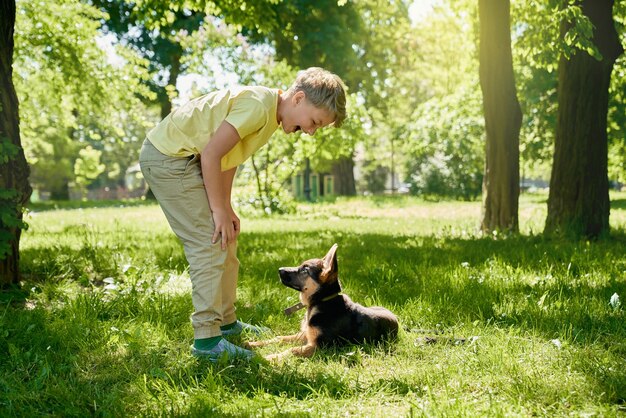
{"x":178,"y":187}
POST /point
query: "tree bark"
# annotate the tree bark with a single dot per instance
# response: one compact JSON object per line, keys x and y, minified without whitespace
{"x":343,"y":173}
{"x":14,"y":171}
{"x":578,"y":203}
{"x":503,"y":118}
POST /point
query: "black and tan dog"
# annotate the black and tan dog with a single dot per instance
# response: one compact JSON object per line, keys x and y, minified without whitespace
{"x":332,"y":318}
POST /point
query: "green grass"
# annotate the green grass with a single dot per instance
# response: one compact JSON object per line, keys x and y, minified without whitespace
{"x":101,"y":325}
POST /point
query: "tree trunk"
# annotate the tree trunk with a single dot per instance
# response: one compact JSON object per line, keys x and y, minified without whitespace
{"x":343,"y":173}
{"x":164,"y":98}
{"x":14,"y":187}
{"x":503,"y":118}
{"x":578,"y":203}
{"x":62,"y":191}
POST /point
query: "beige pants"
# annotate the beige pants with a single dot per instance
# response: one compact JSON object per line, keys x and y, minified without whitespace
{"x":178,"y":187}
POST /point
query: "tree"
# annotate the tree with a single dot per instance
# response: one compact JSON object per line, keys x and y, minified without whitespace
{"x":158,"y":30}
{"x":535,"y":56}
{"x":14,"y":187}
{"x":154,"y":31}
{"x":72,"y":95}
{"x":578,"y":203}
{"x":443,"y":152}
{"x":320,"y":33}
{"x":503,"y":118}
{"x":445,"y":149}
{"x":364,"y":42}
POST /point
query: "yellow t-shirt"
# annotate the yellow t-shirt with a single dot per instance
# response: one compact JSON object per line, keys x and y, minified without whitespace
{"x":189,"y":128}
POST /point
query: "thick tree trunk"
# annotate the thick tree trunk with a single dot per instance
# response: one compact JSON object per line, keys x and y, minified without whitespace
{"x":578,"y":203}
{"x":343,"y":173}
{"x":503,"y":118}
{"x":14,"y":188}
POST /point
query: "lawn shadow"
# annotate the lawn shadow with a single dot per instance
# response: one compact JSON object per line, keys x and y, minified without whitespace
{"x":618,"y":204}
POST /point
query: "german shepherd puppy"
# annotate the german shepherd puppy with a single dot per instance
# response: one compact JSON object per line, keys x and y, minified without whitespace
{"x":332,"y":318}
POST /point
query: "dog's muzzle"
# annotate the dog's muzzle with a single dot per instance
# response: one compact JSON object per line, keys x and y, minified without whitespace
{"x":286,"y":275}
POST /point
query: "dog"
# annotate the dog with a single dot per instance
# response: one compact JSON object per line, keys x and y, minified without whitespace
{"x":332,"y":318}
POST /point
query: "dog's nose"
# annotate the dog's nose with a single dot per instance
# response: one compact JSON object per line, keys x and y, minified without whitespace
{"x":283,"y":273}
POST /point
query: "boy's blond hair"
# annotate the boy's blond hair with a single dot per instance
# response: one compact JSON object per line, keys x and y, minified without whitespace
{"x":324,"y":90}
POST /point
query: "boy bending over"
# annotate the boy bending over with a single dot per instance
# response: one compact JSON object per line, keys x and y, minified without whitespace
{"x":189,"y":161}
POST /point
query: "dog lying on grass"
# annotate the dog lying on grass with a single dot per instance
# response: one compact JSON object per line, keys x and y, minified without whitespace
{"x":332,"y":318}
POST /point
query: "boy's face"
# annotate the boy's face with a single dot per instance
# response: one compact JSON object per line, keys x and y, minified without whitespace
{"x":300,"y":114}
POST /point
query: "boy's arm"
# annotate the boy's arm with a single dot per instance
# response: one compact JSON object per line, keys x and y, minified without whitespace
{"x":215,"y":181}
{"x":228,"y":177}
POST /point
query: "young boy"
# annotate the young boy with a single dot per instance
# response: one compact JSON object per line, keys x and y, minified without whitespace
{"x":189,"y":161}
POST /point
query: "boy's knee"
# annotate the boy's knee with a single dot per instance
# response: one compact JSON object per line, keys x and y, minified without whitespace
{"x":206,"y":256}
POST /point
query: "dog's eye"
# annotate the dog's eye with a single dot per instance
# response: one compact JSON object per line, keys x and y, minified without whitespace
{"x":306,"y":270}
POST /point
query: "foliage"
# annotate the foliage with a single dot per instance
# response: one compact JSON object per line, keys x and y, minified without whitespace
{"x":316,"y":33}
{"x":446,"y":45}
{"x":439,"y":151}
{"x":362,"y":41}
{"x":374,"y":177}
{"x":71,"y":95}
{"x":87,"y":166}
{"x":538,"y":24}
{"x":616,"y":125}
{"x":442,"y":147}
{"x":537,"y":47}
{"x":8,"y":150}
{"x":103,"y":326}
{"x":397,"y":70}
{"x":10,"y":209}
{"x":162,"y":33}
{"x":365,"y":42}
{"x":445,"y":147}
{"x":154,"y":31}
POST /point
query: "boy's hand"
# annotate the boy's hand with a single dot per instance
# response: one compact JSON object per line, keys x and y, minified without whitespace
{"x":225,"y":227}
{"x":229,"y":227}
{"x":236,"y":223}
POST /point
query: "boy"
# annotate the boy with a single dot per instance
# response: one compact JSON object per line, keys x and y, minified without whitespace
{"x":189,"y":161}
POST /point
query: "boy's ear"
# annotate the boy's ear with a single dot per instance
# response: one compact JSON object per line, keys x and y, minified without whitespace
{"x":298,"y":97}
{"x":329,"y":271}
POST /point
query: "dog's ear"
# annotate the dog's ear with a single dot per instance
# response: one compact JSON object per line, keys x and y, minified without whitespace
{"x":329,"y":272}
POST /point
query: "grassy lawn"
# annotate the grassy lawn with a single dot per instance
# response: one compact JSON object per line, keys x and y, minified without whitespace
{"x":102,"y":324}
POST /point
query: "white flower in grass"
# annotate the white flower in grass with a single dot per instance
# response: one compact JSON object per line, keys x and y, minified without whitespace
{"x":614,"y":301}
{"x":556,"y":342}
{"x":110,"y":285}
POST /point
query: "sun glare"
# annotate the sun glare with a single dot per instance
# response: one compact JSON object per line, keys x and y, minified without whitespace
{"x":419,"y":9}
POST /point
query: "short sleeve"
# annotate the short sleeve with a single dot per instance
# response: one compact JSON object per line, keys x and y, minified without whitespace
{"x":247,"y":116}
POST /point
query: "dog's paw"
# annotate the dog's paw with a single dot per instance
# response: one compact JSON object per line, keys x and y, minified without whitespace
{"x":252,"y":344}
{"x":274,"y":358}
